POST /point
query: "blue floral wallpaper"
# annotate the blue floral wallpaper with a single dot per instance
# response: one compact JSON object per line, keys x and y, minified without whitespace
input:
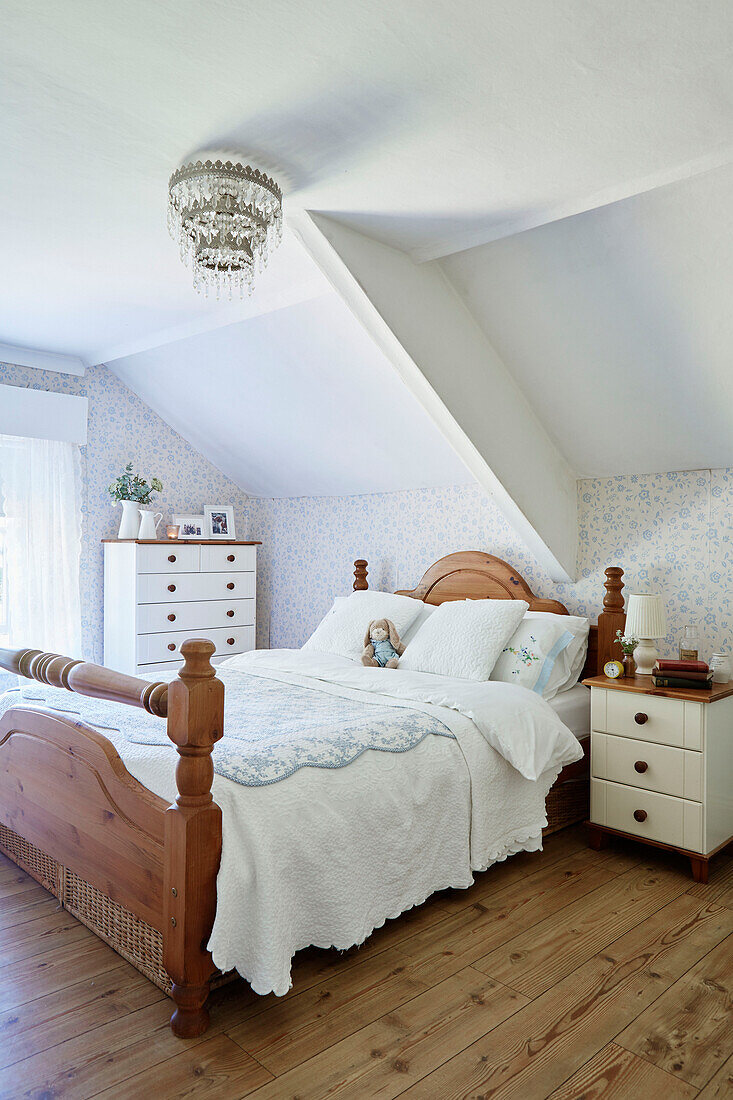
{"x":671,"y":533}
{"x":122,"y":428}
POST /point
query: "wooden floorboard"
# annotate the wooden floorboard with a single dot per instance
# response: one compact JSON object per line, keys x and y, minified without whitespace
{"x":565,"y":974}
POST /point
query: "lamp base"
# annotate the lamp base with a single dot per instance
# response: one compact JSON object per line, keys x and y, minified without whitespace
{"x":645,"y":655}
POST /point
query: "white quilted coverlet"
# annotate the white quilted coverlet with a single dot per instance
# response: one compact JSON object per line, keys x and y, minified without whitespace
{"x":324,"y":857}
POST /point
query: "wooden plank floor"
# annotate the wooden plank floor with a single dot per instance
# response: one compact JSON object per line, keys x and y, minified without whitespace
{"x":566,"y":974}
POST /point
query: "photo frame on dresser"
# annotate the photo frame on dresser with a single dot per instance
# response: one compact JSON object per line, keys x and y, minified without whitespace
{"x":219,"y":521}
{"x":192,"y":527}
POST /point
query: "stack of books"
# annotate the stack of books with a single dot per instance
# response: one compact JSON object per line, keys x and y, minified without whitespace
{"x":682,"y":674}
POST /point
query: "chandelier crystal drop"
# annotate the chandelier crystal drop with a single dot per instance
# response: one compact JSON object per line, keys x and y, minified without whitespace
{"x":226,"y":218}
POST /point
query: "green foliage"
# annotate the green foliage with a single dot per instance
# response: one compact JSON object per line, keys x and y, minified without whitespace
{"x":129,"y":486}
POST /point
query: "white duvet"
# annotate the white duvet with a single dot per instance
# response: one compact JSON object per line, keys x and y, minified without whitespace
{"x":325,"y":856}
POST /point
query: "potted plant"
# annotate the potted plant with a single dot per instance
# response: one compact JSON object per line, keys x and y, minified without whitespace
{"x":628,"y":644}
{"x":131,"y":491}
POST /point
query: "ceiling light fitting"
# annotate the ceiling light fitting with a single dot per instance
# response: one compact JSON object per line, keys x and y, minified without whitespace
{"x":226,"y":218}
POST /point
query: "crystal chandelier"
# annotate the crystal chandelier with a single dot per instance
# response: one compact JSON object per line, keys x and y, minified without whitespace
{"x":225,"y":217}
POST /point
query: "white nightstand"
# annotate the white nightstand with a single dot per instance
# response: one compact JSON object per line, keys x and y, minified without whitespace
{"x":662,"y":767}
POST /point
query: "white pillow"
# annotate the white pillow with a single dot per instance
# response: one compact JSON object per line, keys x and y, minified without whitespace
{"x":343,"y":628}
{"x":529,"y":656}
{"x":426,"y":610}
{"x":569,"y":664}
{"x":463,"y":638}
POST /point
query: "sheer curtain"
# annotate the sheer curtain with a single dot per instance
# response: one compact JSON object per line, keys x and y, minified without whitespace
{"x":40,"y":497}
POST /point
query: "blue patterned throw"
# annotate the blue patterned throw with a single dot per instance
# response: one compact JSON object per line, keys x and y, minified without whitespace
{"x":271,"y":728}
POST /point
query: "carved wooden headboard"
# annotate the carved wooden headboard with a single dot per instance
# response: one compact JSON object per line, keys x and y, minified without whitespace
{"x":471,"y":574}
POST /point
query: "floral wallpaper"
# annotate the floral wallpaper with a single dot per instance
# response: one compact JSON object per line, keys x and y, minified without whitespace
{"x":671,"y":533}
{"x":122,"y":428}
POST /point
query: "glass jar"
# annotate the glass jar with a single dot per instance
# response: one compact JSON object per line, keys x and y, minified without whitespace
{"x":690,"y":643}
{"x":721,"y":666}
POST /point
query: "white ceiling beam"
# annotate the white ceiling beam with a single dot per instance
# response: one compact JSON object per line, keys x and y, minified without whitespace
{"x":415,"y":316}
{"x":41,"y":360}
{"x":501,"y":226}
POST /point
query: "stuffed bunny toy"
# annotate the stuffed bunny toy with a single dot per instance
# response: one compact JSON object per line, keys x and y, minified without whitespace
{"x":382,"y":645}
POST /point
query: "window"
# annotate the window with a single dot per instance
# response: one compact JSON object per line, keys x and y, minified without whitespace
{"x":40,"y":542}
{"x":4,"y":639}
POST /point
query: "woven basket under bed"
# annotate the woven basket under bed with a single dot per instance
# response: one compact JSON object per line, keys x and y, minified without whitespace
{"x":128,"y":935}
{"x":141,"y":945}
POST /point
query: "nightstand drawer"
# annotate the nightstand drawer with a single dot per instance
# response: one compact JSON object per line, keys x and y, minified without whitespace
{"x":651,"y":767}
{"x":646,"y":814}
{"x":664,"y":721}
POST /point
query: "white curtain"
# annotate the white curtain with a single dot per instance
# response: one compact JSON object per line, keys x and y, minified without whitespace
{"x":40,"y":496}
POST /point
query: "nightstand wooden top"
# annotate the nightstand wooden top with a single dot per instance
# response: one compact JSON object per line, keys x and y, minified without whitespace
{"x":642,"y":685}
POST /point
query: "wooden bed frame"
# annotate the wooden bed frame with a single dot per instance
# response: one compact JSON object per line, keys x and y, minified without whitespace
{"x":141,"y":873}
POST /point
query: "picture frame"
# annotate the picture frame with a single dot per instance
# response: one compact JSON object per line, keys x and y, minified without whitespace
{"x":220,"y":521}
{"x":192,"y":527}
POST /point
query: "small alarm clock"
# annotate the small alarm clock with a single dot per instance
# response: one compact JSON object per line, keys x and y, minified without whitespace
{"x":613,"y":669}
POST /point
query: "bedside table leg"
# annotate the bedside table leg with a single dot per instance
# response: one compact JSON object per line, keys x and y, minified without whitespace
{"x":597,"y":838}
{"x":699,"y":867}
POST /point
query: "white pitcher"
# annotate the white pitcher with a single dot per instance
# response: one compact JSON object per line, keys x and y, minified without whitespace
{"x":149,"y":524}
{"x":130,"y":522}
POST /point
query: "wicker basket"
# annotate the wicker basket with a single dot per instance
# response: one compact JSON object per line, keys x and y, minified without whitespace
{"x":128,"y":935}
{"x":566,"y":804}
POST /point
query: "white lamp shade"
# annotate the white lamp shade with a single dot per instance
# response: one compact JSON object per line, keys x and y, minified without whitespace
{"x":646,"y":616}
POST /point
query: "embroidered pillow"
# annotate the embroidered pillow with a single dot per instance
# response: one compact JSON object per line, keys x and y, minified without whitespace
{"x":343,"y":628}
{"x":570,"y":661}
{"x":531,"y":653}
{"x":463,"y":638}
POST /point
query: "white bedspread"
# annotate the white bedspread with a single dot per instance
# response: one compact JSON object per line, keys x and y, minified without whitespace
{"x":324,"y":857}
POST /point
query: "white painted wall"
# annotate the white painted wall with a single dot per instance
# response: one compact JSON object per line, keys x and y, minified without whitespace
{"x":618,"y":326}
{"x":298,"y":402}
{"x":436,"y":347}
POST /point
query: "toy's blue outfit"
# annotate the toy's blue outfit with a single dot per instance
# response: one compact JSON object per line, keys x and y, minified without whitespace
{"x":384,"y":651}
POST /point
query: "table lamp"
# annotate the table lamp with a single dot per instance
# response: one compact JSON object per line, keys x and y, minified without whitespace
{"x":646,"y":620}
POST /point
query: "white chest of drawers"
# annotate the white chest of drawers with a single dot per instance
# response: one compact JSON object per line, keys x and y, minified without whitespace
{"x":158,"y":594}
{"x":662,"y":767}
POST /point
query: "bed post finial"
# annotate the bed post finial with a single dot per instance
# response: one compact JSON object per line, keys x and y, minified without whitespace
{"x":360,"y":575}
{"x":192,"y":836}
{"x":613,"y":599}
{"x":611,"y":619}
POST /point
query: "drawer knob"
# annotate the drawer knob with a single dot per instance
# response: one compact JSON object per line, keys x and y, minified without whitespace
{"x":171,"y":646}
{"x":639,"y":815}
{"x":230,"y":586}
{"x":171,"y":588}
{"x":230,"y":641}
{"x":230,"y":557}
{"x":171,"y":618}
{"x":640,"y":766}
{"x":640,"y":718}
{"x":171,"y":557}
{"x":230,"y":614}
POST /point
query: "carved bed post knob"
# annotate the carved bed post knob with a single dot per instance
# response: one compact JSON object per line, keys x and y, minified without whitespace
{"x":613,"y":599}
{"x":360,"y":575}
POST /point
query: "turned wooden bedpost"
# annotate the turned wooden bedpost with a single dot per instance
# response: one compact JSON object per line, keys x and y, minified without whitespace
{"x":612,"y":618}
{"x":192,"y":837}
{"x":360,"y":575}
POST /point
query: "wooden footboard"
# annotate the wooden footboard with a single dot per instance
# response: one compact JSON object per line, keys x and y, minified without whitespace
{"x":65,"y":790}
